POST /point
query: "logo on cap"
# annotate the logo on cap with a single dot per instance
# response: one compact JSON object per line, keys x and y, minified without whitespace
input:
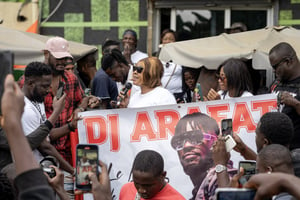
{"x":58,"y":47}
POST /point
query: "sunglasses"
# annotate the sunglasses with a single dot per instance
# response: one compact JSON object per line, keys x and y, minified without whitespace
{"x":279,"y":63}
{"x":222,"y":78}
{"x":138,"y":69}
{"x":195,"y":137}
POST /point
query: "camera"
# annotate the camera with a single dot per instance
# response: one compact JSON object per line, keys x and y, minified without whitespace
{"x":50,"y":171}
{"x":46,"y":162}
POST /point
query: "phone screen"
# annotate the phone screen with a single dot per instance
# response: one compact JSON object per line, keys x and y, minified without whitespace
{"x":226,"y":127}
{"x":86,"y":162}
{"x":6,"y":67}
{"x":235,"y":194}
{"x":60,"y":89}
{"x":249,"y":168}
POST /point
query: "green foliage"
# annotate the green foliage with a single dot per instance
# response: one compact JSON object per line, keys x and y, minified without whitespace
{"x":12,"y":0}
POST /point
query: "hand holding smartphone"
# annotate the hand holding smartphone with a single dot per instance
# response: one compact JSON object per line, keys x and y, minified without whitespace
{"x":6,"y":67}
{"x":249,"y":167}
{"x":226,"y":129}
{"x":87,"y":161}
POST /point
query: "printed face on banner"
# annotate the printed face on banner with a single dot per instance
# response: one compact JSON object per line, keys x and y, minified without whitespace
{"x":193,"y":141}
{"x":183,"y":134}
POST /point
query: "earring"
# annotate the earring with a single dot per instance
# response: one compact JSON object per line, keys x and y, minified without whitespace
{"x":269,"y":170}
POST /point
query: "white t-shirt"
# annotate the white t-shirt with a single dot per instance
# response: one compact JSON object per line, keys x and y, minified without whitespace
{"x":175,"y":83}
{"x":33,"y":116}
{"x":137,"y":56}
{"x":157,"y":96}
{"x":245,"y":94}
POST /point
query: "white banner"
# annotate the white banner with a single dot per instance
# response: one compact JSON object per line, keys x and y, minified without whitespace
{"x":122,"y":133}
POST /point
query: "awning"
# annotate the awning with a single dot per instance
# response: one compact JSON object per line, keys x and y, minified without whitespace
{"x":27,"y":47}
{"x":212,"y":51}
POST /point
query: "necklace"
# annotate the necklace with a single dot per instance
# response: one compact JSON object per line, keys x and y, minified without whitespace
{"x":37,"y":106}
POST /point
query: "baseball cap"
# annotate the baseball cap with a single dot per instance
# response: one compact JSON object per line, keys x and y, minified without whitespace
{"x":58,"y":47}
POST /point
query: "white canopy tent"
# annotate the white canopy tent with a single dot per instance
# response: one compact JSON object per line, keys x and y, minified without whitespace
{"x":212,"y":51}
{"x":27,"y":47}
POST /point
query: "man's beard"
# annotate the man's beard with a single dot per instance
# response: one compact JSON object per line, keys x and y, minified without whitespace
{"x":57,"y":72}
{"x":54,"y":70}
{"x":37,"y":97}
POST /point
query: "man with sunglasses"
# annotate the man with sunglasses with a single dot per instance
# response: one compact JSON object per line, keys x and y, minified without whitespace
{"x":201,"y":154}
{"x":286,"y":66}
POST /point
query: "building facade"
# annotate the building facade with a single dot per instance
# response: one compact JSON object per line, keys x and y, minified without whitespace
{"x":93,"y":21}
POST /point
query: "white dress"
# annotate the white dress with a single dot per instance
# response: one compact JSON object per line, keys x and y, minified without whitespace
{"x":156,"y":97}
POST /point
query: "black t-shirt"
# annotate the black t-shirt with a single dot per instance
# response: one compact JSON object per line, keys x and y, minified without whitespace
{"x":293,"y":87}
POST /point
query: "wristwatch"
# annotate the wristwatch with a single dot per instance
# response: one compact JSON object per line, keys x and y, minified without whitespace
{"x":219,"y":168}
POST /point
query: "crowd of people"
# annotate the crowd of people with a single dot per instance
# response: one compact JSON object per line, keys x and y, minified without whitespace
{"x":36,"y":122}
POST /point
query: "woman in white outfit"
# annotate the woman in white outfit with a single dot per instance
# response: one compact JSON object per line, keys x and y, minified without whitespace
{"x":147,"y":75}
{"x":172,"y":77}
{"x":234,"y":81}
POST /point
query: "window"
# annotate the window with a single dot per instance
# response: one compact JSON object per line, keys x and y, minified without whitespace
{"x":196,"y":20}
{"x":192,"y":24}
{"x":254,"y":19}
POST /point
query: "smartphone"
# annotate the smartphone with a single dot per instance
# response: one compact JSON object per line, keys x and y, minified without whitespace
{"x":235,"y":194}
{"x":6,"y":67}
{"x":249,"y":167}
{"x":226,"y":127}
{"x":226,"y":130}
{"x":229,"y":143}
{"x":60,"y":90}
{"x":87,"y":161}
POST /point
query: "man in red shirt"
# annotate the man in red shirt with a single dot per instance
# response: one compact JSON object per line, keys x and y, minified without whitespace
{"x":56,"y":55}
{"x":149,"y":179}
